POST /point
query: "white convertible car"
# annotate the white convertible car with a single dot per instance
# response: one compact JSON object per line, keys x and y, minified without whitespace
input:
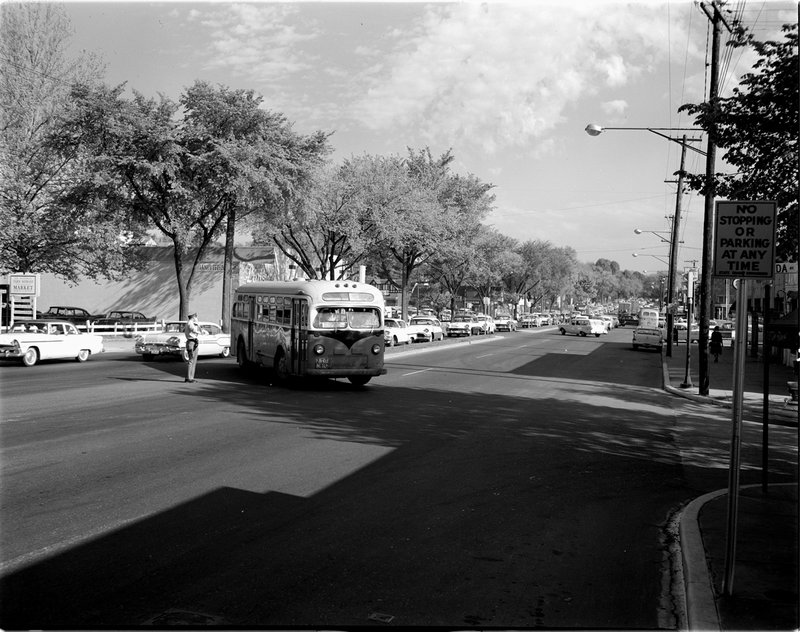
{"x":172,"y":341}
{"x":35,"y":340}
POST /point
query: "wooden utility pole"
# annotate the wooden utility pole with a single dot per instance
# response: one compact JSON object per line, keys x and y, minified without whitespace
{"x":708,"y":218}
{"x":673,"y":254}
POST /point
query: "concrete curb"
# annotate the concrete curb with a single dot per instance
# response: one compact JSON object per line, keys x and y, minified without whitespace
{"x":701,"y":606}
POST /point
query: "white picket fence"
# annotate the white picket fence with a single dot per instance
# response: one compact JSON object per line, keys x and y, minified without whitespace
{"x":121,"y":329}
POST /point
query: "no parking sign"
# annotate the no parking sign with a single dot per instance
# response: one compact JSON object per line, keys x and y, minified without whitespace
{"x":744,"y":242}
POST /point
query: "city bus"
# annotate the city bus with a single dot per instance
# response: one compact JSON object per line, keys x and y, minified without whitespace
{"x":310,"y":328}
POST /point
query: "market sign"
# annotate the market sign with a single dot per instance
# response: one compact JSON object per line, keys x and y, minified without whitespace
{"x":744,"y":242}
{"x":23,"y":284}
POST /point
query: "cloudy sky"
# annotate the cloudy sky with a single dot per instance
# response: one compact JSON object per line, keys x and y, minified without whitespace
{"x":509,"y":86}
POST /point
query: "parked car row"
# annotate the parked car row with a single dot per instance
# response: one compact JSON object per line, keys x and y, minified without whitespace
{"x":82,"y":317}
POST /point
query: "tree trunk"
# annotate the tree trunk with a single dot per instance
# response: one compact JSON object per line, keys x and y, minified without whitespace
{"x":227,"y":271}
{"x":183,"y":290}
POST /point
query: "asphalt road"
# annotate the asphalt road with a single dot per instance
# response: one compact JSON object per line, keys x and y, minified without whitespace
{"x":524,"y":479}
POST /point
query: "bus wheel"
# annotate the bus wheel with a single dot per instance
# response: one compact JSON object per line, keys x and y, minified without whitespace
{"x":241,"y":356}
{"x":359,"y":380}
{"x":281,"y":367}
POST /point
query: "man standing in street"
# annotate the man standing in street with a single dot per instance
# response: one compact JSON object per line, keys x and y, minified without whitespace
{"x":192,"y":331}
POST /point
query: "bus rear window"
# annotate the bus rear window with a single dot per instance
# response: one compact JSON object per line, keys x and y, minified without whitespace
{"x":349,"y":317}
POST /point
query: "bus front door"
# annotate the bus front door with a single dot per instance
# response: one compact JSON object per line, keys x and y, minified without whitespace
{"x":299,"y":336}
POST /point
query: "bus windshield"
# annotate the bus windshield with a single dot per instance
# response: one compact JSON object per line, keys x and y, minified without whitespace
{"x":347,"y":318}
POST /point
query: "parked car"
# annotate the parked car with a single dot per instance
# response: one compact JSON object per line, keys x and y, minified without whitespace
{"x":75,"y":315}
{"x":395,"y":332}
{"x":583,"y":326}
{"x":36,"y":340}
{"x":608,"y":321}
{"x":425,"y":329}
{"x":172,"y":341}
{"x":648,"y":337}
{"x":505,"y":322}
{"x":530,"y":320}
{"x":486,"y":323}
{"x":461,"y":324}
{"x":122,"y":317}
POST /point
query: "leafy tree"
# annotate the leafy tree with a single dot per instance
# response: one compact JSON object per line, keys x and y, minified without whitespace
{"x":328,"y":229}
{"x":250,"y":155}
{"x":757,"y":131}
{"x":495,"y":255}
{"x":526,"y":279}
{"x":48,"y":222}
{"x":185,"y":167}
{"x":428,"y":210}
{"x":558,"y":273}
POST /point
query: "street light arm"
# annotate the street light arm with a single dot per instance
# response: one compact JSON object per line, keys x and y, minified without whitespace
{"x":679,"y":141}
{"x":593,"y":129}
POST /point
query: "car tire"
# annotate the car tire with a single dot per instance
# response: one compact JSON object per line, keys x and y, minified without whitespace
{"x":635,"y":347}
{"x":83,"y":355}
{"x":30,"y":357}
{"x":147,"y":356}
{"x":563,"y":331}
{"x":597,"y":335}
{"x":583,"y":334}
{"x":359,"y":380}
{"x":226,"y":352}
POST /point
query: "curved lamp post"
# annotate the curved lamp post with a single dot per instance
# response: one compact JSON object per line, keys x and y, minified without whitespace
{"x":593,"y":129}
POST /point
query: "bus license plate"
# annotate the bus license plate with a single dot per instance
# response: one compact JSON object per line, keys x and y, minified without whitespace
{"x":322,"y":363}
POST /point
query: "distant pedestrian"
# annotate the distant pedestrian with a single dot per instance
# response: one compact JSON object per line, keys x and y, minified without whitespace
{"x":192,"y":331}
{"x":716,"y":343}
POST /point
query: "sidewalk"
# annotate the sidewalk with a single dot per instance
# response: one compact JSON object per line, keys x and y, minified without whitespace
{"x":765,"y":593}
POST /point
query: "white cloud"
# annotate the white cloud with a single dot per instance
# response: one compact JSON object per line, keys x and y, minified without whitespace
{"x":615,"y":108}
{"x":257,"y":41}
{"x":503,"y":74}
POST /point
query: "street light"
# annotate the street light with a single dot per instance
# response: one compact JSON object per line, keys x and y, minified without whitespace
{"x":662,"y":260}
{"x":595,"y":130}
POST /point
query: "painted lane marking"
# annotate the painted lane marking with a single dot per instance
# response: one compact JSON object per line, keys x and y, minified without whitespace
{"x":415,"y":372}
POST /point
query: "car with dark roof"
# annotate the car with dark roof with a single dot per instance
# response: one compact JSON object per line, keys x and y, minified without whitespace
{"x":75,"y":315}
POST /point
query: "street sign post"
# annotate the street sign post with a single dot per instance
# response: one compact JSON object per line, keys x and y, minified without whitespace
{"x":744,"y":248}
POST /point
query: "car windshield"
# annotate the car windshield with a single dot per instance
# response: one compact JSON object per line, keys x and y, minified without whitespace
{"x":174,"y":328}
{"x":347,"y":317}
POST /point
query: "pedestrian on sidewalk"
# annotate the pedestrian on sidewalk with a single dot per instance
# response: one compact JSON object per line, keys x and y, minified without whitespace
{"x":192,"y":331}
{"x":716,"y":343}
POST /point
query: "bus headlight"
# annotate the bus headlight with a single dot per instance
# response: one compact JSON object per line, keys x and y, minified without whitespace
{"x":376,"y":349}
{"x":319,"y":349}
